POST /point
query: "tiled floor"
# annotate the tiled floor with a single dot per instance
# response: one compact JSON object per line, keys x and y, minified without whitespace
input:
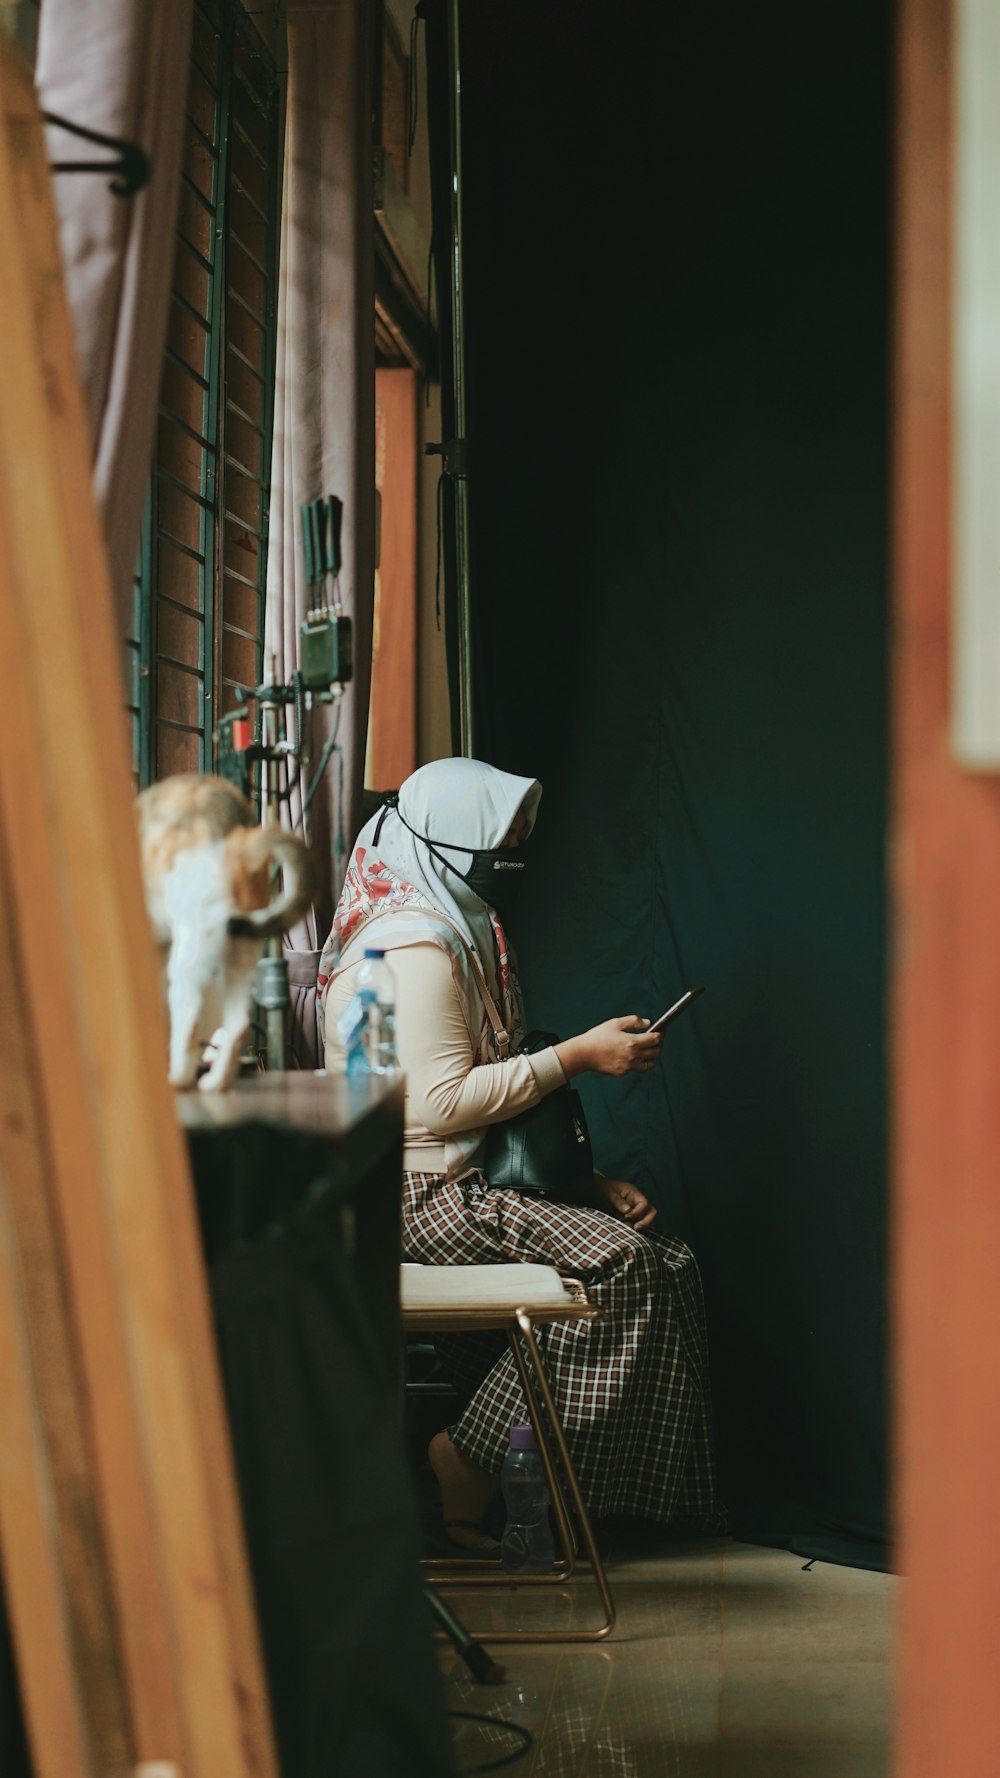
{"x":728,"y":1661}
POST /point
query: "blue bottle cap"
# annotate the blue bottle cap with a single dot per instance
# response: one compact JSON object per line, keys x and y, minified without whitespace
{"x":522,"y":1438}
{"x":374,"y":953}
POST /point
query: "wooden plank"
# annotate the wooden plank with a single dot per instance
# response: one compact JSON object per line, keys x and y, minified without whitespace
{"x":166,"y":1490}
{"x":33,"y":1571}
{"x":45,"y":1441}
{"x":46,"y":949}
{"x":33,"y":1579}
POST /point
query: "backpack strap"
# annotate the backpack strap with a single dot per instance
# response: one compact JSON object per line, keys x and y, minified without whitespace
{"x":501,"y":1037}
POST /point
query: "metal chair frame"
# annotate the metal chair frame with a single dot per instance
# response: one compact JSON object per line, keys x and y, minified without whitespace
{"x":519,"y":1323}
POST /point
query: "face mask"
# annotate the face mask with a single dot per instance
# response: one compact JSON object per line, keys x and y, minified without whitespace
{"x":496,"y":876}
{"x":493,"y":875}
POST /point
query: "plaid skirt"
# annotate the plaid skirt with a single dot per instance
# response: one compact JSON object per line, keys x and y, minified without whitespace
{"x":632,"y":1388}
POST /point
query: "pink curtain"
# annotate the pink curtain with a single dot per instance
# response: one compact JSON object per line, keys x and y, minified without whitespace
{"x":121,"y":67}
{"x":324,"y":414}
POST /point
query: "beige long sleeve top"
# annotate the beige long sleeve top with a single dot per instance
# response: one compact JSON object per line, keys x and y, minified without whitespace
{"x":447,"y":1093}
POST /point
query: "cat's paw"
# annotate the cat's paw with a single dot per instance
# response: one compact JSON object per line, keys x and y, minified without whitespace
{"x":220,"y":1076}
{"x":183,"y":1074}
{"x":214,"y":1083}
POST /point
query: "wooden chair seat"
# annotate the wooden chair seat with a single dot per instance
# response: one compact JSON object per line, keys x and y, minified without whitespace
{"x":516,"y":1299}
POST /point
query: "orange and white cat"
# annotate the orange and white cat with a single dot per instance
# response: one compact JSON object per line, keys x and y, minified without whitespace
{"x":207,"y":868}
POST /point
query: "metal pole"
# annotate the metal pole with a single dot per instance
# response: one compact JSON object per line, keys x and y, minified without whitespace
{"x":461,"y":485}
{"x":271,"y":971}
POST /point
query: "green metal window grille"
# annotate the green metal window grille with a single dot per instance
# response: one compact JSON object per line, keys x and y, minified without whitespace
{"x":200,"y":578}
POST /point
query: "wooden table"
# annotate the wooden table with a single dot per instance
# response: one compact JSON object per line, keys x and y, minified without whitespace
{"x":279,"y":1147}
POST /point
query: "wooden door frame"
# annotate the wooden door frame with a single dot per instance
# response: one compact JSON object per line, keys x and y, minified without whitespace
{"x":945,"y":872}
{"x":125,"y":1572}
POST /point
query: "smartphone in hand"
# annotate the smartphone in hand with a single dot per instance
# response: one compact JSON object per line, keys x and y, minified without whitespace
{"x":674,"y":1011}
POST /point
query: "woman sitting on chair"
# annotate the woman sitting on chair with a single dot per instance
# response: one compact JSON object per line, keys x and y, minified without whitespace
{"x":631,"y":1387}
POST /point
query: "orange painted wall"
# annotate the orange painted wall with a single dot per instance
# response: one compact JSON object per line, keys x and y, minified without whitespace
{"x":946,"y":1018}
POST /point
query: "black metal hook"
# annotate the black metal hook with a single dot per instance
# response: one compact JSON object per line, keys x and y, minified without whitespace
{"x":132,"y":164}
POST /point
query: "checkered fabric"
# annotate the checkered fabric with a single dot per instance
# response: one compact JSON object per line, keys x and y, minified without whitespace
{"x":631,"y":1388}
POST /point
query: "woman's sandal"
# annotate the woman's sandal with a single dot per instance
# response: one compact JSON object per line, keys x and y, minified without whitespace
{"x":489,"y":1546}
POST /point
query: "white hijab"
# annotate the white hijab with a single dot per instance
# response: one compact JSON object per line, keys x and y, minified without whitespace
{"x":462,"y":805}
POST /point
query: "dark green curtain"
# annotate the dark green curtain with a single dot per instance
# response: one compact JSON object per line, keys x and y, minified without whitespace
{"x":676,"y":229}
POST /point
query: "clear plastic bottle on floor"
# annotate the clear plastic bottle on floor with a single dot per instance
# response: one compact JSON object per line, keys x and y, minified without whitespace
{"x":368,"y":1024}
{"x":526,"y":1546}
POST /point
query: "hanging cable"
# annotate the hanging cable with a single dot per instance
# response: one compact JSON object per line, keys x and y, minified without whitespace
{"x":339,"y":836}
{"x":328,"y":748}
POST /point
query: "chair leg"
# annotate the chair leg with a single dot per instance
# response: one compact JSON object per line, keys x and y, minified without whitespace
{"x":491,"y":1577}
{"x":583,"y":1518}
{"x":480,"y":1663}
{"x":567,"y":1536}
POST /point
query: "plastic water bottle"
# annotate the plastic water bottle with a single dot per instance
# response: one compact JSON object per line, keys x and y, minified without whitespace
{"x":368,"y":1024}
{"x":526,"y":1546}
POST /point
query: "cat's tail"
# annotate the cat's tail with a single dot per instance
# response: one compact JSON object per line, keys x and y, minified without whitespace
{"x":251,"y":853}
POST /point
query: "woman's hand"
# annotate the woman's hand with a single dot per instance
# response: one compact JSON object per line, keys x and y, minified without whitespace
{"x":619,"y":1046}
{"x":626,"y":1201}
